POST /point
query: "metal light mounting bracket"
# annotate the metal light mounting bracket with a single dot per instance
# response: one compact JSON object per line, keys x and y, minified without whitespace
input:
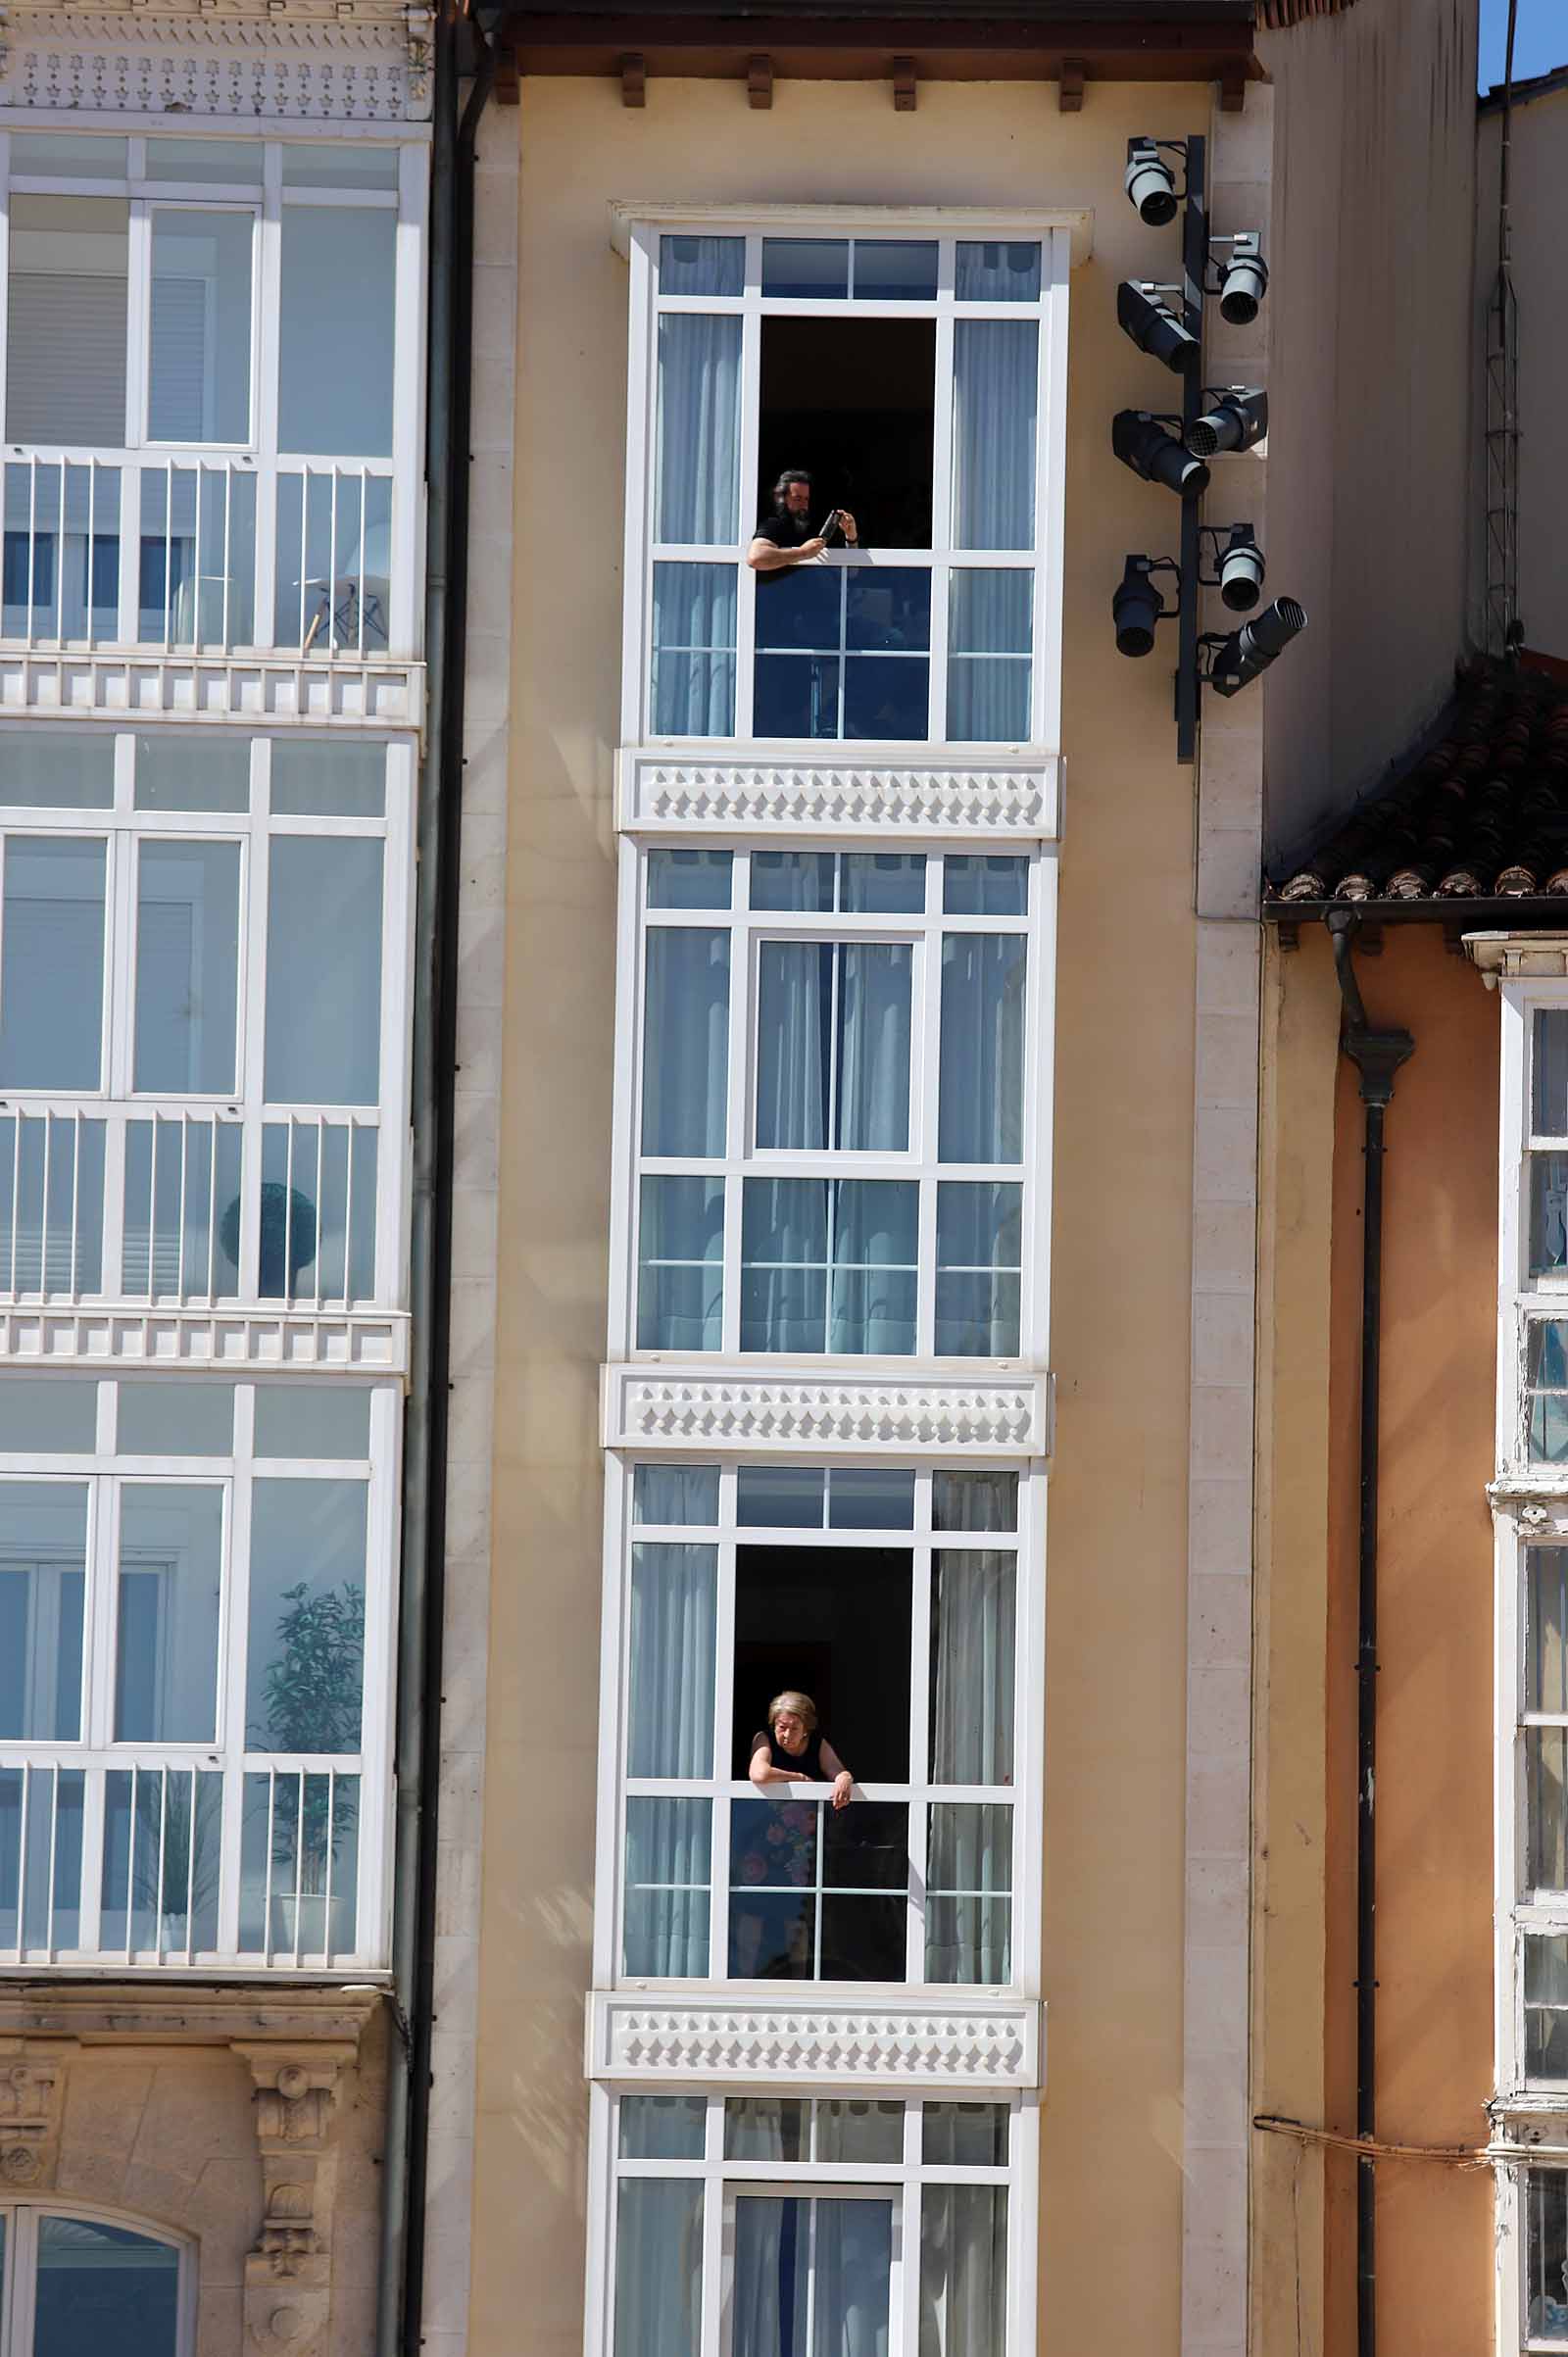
{"x":1216,"y":538}
{"x":1165,"y":565}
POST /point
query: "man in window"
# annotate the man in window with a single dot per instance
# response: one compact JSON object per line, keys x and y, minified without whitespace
{"x":786,"y":538}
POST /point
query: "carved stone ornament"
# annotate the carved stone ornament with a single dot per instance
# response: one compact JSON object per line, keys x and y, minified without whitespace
{"x":31,"y":2101}
{"x":654,"y":1408}
{"x":297,"y":66}
{"x":288,"y":2272}
{"x":986,"y":2045}
{"x":658,"y":792}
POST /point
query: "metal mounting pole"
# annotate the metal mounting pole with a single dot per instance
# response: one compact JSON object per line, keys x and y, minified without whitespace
{"x":1195,"y":265}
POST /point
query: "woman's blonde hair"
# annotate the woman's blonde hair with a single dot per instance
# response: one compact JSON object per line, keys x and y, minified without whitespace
{"x":801,"y":1705}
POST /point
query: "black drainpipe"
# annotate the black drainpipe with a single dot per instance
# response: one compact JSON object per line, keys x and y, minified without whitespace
{"x":1377,"y":1056}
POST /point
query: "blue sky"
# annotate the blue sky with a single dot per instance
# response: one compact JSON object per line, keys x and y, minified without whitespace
{"x":1539,"y":41}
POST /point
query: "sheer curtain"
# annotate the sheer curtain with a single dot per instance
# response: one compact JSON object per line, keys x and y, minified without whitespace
{"x":973,"y":1615}
{"x":875,"y":1224}
{"x":981,"y":1119}
{"x":994,"y":375}
{"x":659,"y":2267}
{"x":686,"y":1041}
{"x":794,"y":1043}
{"x":990,"y":633}
{"x":697,"y":484}
{"x":669,"y":1733}
{"x":873,"y":1111}
{"x":847,"y":2250}
{"x":794,"y":1046}
{"x":964,"y":2271}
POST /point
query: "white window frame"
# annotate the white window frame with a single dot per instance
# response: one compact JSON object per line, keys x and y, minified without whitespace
{"x":97,"y":1754}
{"x":1025,"y":1794}
{"x":1044,"y":558}
{"x":918,"y":1164}
{"x":115,"y":1102}
{"x":18,"y":2296}
{"x":903,"y":2182}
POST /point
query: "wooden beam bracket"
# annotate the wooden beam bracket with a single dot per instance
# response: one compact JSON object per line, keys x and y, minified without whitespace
{"x":1070,"y":88}
{"x":904,"y":86}
{"x":1233,"y":87}
{"x":760,"y":81}
{"x":634,"y":81}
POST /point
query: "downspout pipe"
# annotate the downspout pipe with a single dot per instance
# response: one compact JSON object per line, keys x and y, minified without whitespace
{"x":1377,"y":1056}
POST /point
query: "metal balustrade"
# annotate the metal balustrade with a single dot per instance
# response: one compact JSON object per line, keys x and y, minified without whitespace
{"x":166,"y":1206}
{"x":191,"y":552}
{"x":116,"y":1858}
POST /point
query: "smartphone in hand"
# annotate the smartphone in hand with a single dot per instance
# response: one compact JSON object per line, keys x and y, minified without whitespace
{"x":831,"y":524}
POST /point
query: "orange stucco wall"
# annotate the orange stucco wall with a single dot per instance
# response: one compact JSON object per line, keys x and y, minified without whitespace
{"x":1434,"y":1702}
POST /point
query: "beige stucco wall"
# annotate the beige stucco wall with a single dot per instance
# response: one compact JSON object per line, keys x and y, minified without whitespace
{"x":1113,"y":1969}
{"x":1540,"y":284}
{"x":1372,"y":326}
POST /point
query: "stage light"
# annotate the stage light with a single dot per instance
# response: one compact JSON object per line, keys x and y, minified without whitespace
{"x":1241,"y":570}
{"x":1142,"y":442}
{"x":1238,"y":419}
{"x":1237,"y":660}
{"x":1243,"y":280}
{"x":1151,"y":184}
{"x":1136,"y":607}
{"x":1154,"y":327}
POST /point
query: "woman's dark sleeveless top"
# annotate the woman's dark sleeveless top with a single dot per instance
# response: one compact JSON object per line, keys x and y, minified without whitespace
{"x":804,"y":1763}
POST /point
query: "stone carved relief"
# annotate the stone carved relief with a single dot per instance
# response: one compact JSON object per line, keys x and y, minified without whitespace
{"x":651,"y":2041}
{"x":31,"y":2100}
{"x":235,"y":67}
{"x":1017,"y":800}
{"x":743,"y":1410}
{"x":288,"y":2272}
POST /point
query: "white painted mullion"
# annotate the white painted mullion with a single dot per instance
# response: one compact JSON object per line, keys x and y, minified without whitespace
{"x":1029,"y":1732}
{"x":1038,"y":1111}
{"x":1514,"y":1086}
{"x":405,"y":603}
{"x":599,"y":2300}
{"x":270,"y":285}
{"x":614,"y":1663}
{"x":718,"y":2240}
{"x":21,"y":2268}
{"x":1050,"y":493}
{"x":232,"y":1724}
{"x":637,"y":632}
{"x":919,"y":1769}
{"x":124,"y":853}
{"x":942,"y":501}
{"x":925,"y":1075}
{"x":139,"y":324}
{"x":374,"y":1910}
{"x":621,"y":1338}
{"x":738,"y":1124}
{"x":393,"y":1080}
{"x":100,"y":1613}
{"x":746,"y":592}
{"x":723,"y":1733}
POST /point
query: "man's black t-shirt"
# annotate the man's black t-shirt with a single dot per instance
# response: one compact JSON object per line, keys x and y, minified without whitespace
{"x":785,"y":530}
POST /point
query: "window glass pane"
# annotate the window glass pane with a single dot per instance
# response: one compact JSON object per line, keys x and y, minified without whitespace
{"x":43,"y":1560}
{"x":51,"y":1202}
{"x":858,"y":2130}
{"x":973,"y":885}
{"x":1547,"y":1629}
{"x":328,"y":781}
{"x":833,"y":1018}
{"x":792,"y":879}
{"x":196,"y":771}
{"x":981,"y":1117}
{"x":773,"y":1876}
{"x":667,"y":1494}
{"x":104,"y":2287}
{"x":663,"y":2128}
{"x":887,"y":609}
{"x":338,"y":164}
{"x":887,"y":630}
{"x":693,"y":681}
{"x":963,"y":2135}
{"x":974,"y":1501}
{"x":767,"y":2127}
{"x":335,"y":330}
{"x":779,"y":1496}
{"x":888,"y":882}
{"x":974,"y":1613}
{"x":187,"y":966}
{"x":52,"y":962}
{"x":968,"y":1874}
{"x":324,"y":971}
{"x":170,"y":1573}
{"x":689,"y":880}
{"x":198,"y":385}
{"x":1549,"y":1110}
{"x":702,"y":266}
{"x":659,"y":2267}
{"x":806,"y":267}
{"x":890,"y":270}
{"x":979,"y":1248}
{"x":964,"y":2269}
{"x":812,"y":2278}
{"x":47,"y":1412}
{"x":54,"y":768}
{"x":65,"y":345}
{"x":997,"y":272}
{"x":784,"y":1264}
{"x":1546,"y":2253}
{"x":1546,"y":1816}
{"x":797,"y":694}
{"x":1549,"y":1213}
{"x":989,"y":632}
{"x":67,"y":155}
{"x":159,"y":1418}
{"x":1546,"y":1963}
{"x":994,"y":402}
{"x":697,"y":459}
{"x":874,"y":1251}
{"x":229,"y":162}
{"x":872,"y":1500}
{"x":680,"y":1273}
{"x":1546,"y":1382}
{"x":668,"y":1851}
{"x":313,"y":1419}
{"x":685,"y":1040}
{"x":299,"y":1862}
{"x":670,"y":1647}
{"x":305,"y":1662}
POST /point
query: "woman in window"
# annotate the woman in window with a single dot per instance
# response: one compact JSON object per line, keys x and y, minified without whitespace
{"x":794,"y":1750}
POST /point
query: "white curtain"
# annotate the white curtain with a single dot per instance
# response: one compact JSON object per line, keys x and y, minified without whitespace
{"x":671,"y":1650}
{"x":968,"y":1892}
{"x":794,"y":1043}
{"x":989,"y":632}
{"x":796,"y":1022}
{"x":849,"y":2264}
{"x":994,"y":375}
{"x":668,"y":1846}
{"x":973,"y":1620}
{"x":694,"y":650}
{"x":981,"y":1119}
{"x":964,"y":2271}
{"x":874,"y":1251}
{"x":685,"y":1040}
{"x":697,"y":485}
{"x":659,"y":2267}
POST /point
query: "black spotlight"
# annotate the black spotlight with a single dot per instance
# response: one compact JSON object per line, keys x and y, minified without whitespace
{"x":1154,"y":327}
{"x":1241,"y":570}
{"x":1136,"y":607}
{"x":1237,"y":419}
{"x":1142,"y":442}
{"x":1151,"y":184}
{"x":1239,"y":659}
{"x":1243,"y":282}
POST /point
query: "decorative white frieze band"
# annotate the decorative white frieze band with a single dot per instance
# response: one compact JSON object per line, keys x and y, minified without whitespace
{"x":366,"y":1343}
{"x":817,"y":793}
{"x":254,"y":68}
{"x":226,"y":688}
{"x":914,"y":2046}
{"x":654,"y":1408}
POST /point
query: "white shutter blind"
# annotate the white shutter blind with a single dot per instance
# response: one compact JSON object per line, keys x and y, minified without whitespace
{"x":177,"y":409}
{"x":65,"y":359}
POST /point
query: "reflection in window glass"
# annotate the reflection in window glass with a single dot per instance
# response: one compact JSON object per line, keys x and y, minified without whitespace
{"x":1546,"y":1969}
{"x":973,"y":1639}
{"x":833,"y":1046}
{"x":767,"y":2127}
{"x":828,"y":1265}
{"x":974,"y":1501}
{"x":980,"y":1104}
{"x":101,"y":2287}
{"x":335,"y":331}
{"x":663,"y":2128}
{"x":990,"y":636}
{"x":1546,"y":1382}
{"x":963,"y":2135}
{"x":299,"y":1864}
{"x":869,"y":1498}
{"x":52,"y":962}
{"x":659,"y":2267}
{"x":689,"y":880}
{"x":47,"y":1413}
{"x":818,"y":2267}
{"x":968,"y":1915}
{"x":1546,"y":2253}
{"x":697,"y":456}
{"x":681,"y":1274}
{"x":664,"y":1496}
{"x":1549,"y":1213}
{"x":187,"y":966}
{"x":67,"y":155}
{"x":691,"y":689}
{"x":50,"y":769}
{"x":327,"y":781}
{"x":313,"y":1419}
{"x":808,"y":268}
{"x":227,"y":162}
{"x":199,"y":380}
{"x":780,"y":1497}
{"x":306,"y":1648}
{"x":65,"y":339}
{"x":43,"y":1559}
{"x":992,"y":271}
{"x":165,"y":1651}
{"x":979,"y":1265}
{"x":338,"y":164}
{"x":891,"y":269}
{"x":194,"y":770}
{"x":323,"y":970}
{"x":702,"y":266}
{"x":995,"y":371}
{"x":793,"y":879}
{"x":973,"y":885}
{"x":964,"y":2269}
{"x":1549,"y":1108}
{"x":670,"y":1646}
{"x":856,"y":2129}
{"x":686,"y":1041}
{"x":159,"y":1418}
{"x":668,"y":1850}
{"x":1546,"y":1812}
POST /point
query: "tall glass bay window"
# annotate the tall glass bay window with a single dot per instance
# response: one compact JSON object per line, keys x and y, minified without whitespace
{"x":913,"y":377}
{"x":211,"y":392}
{"x":836,"y":1105}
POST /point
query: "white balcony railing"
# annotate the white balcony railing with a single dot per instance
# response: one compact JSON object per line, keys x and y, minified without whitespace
{"x":118,"y":1858}
{"x":191,"y":553}
{"x":163,"y":1205}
